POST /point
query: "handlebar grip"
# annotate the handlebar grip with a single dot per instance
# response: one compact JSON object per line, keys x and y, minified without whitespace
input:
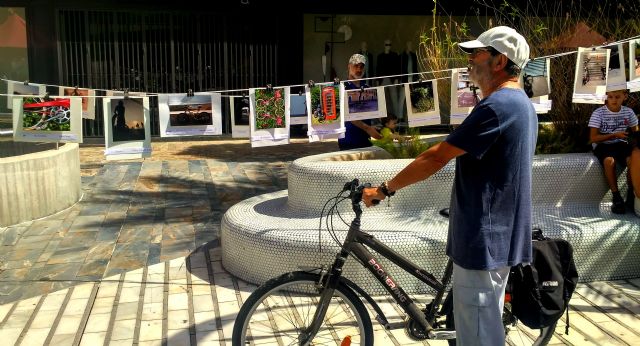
{"x":375,"y":201}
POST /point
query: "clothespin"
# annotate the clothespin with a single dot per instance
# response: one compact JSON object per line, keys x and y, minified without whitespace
{"x":336,"y":81}
{"x":311,"y":83}
{"x":26,"y":82}
{"x":361,"y":88}
{"x":190,"y":93}
{"x":46,"y":97}
{"x":269,"y":88}
{"x":300,"y":92}
{"x":126,"y":93}
{"x":75,"y":91}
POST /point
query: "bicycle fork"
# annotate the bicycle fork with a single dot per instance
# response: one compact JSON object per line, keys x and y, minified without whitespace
{"x":333,"y":280}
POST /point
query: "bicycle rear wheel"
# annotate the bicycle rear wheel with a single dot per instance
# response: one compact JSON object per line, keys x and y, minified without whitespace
{"x":278,"y":311}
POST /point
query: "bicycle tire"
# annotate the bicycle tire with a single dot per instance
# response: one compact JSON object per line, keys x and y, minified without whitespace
{"x":542,"y":340}
{"x":258,"y":320}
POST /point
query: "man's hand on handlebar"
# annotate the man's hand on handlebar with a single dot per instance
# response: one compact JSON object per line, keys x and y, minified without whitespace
{"x":372,"y":196}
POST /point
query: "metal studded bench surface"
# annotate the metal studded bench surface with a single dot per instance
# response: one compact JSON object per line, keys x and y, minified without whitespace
{"x":273,"y":233}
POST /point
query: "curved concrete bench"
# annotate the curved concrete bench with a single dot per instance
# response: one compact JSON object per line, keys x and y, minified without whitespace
{"x":37,"y":180}
{"x":278,"y":232}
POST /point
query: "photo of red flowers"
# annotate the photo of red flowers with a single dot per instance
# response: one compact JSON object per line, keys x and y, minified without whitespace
{"x":269,"y":108}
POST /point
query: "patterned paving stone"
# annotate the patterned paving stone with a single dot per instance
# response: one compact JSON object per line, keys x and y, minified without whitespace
{"x":60,"y":275}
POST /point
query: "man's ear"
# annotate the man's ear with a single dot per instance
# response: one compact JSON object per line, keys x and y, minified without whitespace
{"x":501,"y":62}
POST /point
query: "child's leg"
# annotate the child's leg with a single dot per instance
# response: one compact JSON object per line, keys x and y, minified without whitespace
{"x":609,"y":167}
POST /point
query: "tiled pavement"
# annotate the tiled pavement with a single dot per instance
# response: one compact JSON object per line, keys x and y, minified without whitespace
{"x":137,"y":260}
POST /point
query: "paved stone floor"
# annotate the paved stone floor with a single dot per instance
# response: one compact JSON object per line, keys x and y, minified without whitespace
{"x":137,"y":260}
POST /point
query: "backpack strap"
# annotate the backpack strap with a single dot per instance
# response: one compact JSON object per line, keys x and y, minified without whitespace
{"x":566,"y":328}
{"x":536,"y":234}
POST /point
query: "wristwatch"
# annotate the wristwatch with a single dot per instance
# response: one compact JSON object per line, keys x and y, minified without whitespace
{"x":385,"y":189}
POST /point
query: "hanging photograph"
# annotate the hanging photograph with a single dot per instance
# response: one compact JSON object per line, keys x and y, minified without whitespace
{"x":421,"y":99}
{"x":88,"y":100}
{"x":464,"y":95}
{"x":365,"y":103}
{"x":127,"y":131}
{"x":298,"y":106}
{"x":634,"y":66}
{"x":325,"y":104}
{"x":197,"y":115}
{"x":240,"y":111}
{"x":18,"y":88}
{"x":327,"y":115}
{"x":56,"y":119}
{"x":590,"y":82}
{"x":616,"y":78}
{"x":269,"y":117}
{"x":536,"y":84}
{"x":535,"y":79}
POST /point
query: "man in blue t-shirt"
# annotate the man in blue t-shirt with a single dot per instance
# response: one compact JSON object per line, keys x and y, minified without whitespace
{"x":490,"y":211}
{"x":357,"y":132}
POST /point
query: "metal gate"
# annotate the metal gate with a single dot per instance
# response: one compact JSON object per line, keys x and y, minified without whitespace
{"x":164,"y":52}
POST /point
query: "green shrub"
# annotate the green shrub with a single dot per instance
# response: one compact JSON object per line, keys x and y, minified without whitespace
{"x":407,"y":149}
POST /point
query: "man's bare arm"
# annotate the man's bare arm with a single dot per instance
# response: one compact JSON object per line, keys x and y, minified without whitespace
{"x":370,"y":130}
{"x":425,"y":165}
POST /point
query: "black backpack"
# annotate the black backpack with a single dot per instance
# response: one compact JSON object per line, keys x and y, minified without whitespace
{"x":540,"y":291}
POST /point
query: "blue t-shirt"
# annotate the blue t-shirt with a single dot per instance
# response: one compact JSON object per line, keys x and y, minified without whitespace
{"x":490,"y":221}
{"x":354,"y":137}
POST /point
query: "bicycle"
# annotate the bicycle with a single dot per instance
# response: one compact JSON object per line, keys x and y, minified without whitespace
{"x":319,"y":305}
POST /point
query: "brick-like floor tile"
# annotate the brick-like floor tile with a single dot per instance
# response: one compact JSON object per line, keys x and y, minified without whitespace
{"x":150,"y":330}
{"x":123,"y":329}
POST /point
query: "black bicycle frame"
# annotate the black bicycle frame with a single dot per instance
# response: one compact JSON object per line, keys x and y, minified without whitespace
{"x":354,"y":243}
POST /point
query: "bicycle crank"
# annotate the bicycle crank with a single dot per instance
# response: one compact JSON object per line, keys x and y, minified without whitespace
{"x":414,"y":330}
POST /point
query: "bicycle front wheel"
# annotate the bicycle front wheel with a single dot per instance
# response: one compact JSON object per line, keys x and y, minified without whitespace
{"x":278,"y":311}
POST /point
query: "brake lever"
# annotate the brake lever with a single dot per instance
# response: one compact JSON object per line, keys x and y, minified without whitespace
{"x":350,"y":186}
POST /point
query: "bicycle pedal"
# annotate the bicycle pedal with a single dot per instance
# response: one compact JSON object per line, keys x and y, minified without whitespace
{"x":442,"y":334}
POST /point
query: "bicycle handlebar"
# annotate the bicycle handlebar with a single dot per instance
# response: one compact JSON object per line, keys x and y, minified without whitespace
{"x":355,"y":191}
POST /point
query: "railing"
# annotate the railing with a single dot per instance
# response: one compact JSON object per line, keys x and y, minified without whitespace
{"x":164,"y":52}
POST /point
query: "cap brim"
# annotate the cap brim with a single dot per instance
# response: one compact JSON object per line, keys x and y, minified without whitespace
{"x":469,"y":46}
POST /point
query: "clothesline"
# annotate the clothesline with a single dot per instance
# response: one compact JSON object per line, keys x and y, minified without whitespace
{"x":228,"y":91}
{"x":301,"y":85}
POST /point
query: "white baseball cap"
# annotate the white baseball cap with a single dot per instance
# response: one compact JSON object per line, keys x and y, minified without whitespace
{"x":357,"y":59}
{"x":503,"y":39}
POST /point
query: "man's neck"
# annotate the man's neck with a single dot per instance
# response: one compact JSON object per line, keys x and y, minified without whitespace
{"x":499,"y":83}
